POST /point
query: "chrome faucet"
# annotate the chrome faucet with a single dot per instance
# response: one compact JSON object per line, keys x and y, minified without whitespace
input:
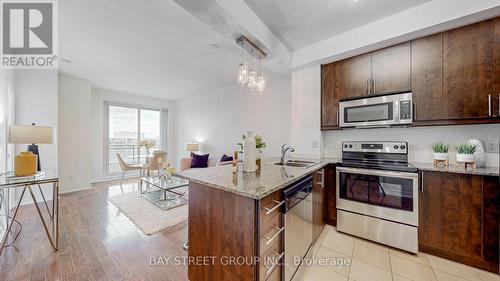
{"x":284,"y":149}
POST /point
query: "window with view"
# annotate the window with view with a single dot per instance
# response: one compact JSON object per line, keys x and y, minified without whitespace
{"x":126,"y":125}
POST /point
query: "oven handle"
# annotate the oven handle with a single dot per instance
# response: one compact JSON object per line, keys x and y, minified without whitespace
{"x":378,"y":172}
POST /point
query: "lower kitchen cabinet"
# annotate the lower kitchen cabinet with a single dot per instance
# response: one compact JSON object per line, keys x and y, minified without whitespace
{"x":318,"y":194}
{"x":330,"y":206}
{"x":459,"y":218}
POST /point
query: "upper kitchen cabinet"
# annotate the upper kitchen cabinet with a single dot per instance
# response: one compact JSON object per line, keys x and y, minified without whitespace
{"x":496,"y":67}
{"x":468,"y":71}
{"x":329,"y":98}
{"x":426,"y":75}
{"x":391,"y":70}
{"x":353,"y":76}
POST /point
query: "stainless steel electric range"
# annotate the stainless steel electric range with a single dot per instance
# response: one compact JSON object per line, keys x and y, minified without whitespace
{"x":377,"y":193}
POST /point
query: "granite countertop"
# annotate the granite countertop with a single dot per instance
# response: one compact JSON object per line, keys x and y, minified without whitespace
{"x":254,"y":185}
{"x":458,"y":169}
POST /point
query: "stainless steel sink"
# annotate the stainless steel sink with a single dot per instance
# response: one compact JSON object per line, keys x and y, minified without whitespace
{"x":296,"y":163}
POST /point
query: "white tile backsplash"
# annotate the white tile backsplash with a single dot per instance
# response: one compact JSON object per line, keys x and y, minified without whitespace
{"x":419,"y":139}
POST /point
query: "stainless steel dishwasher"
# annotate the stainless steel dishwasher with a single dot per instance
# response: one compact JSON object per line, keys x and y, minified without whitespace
{"x":298,"y":225}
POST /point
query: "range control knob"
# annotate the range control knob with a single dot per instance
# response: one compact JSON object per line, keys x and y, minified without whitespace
{"x":396,"y":147}
{"x":402,"y":147}
{"x":350,"y":146}
{"x":345,"y":145}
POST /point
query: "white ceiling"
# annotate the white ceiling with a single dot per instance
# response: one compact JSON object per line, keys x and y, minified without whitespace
{"x":153,"y":48}
{"x":299,"y":23}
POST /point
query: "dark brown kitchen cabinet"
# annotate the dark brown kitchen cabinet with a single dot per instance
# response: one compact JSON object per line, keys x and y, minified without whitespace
{"x":459,"y":218}
{"x":330,"y":206}
{"x":329,"y":97}
{"x":468,"y":75}
{"x":391,"y":70}
{"x":426,"y":73}
{"x":496,"y":68}
{"x":353,"y":76}
{"x":318,"y":195}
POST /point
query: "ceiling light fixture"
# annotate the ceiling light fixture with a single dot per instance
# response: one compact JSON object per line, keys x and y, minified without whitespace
{"x":248,"y":74}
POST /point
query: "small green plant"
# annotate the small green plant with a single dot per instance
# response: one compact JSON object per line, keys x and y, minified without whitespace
{"x":259,"y":143}
{"x":440,"y":147}
{"x":466,"y":148}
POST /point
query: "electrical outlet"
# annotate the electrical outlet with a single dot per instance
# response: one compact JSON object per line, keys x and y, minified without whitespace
{"x":315,"y":144}
{"x":491,"y":146}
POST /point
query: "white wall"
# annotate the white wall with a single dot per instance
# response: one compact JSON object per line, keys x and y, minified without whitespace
{"x":218,"y":119}
{"x":6,"y":116}
{"x":75,"y":129}
{"x":36,"y":101}
{"x":99,"y":97}
{"x":306,"y":109}
{"x":419,"y":139}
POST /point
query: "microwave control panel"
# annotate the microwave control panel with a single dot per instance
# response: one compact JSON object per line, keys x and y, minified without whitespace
{"x":405,"y":110}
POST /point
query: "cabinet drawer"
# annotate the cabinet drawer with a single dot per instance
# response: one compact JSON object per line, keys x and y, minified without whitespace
{"x":270,"y":207}
{"x":271,"y":233}
{"x":271,"y":261}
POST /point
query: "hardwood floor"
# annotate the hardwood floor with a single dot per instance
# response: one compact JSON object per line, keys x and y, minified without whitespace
{"x":97,"y":242}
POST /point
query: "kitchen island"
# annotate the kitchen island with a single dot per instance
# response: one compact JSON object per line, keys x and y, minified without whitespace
{"x":236,"y":227}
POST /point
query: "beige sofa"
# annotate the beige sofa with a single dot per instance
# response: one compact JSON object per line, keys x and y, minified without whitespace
{"x":185,"y":163}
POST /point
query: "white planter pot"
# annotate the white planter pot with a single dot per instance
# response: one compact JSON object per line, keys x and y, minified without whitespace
{"x":440,"y":156}
{"x":465,"y":157}
{"x":479,"y":154}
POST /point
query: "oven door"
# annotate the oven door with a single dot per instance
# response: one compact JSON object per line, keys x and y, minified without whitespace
{"x":388,"y":195}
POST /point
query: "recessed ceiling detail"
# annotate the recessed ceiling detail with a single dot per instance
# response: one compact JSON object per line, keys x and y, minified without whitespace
{"x":299,"y":23}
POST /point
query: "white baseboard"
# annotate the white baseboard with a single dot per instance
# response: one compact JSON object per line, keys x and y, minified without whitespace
{"x":75,"y":190}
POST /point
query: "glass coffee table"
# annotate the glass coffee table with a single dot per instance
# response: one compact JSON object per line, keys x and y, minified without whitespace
{"x":164,"y":193}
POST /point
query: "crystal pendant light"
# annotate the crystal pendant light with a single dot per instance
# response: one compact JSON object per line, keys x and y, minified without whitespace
{"x":243,"y":74}
{"x":249,"y":74}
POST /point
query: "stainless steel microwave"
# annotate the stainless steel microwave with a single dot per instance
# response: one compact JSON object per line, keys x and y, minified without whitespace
{"x":376,"y":111}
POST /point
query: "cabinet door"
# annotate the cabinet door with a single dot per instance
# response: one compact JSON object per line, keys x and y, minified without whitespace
{"x":496,"y":68}
{"x":318,"y":203}
{"x":450,"y":216}
{"x":330,"y":211}
{"x":426,"y":77}
{"x":353,"y":75}
{"x":329,"y":97}
{"x":468,"y":70}
{"x":491,"y":221}
{"x":391,"y":69}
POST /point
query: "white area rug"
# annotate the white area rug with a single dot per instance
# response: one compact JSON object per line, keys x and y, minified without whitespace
{"x":146,"y":216}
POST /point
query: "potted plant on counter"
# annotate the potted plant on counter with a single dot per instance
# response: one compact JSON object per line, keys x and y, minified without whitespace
{"x":465,"y":152}
{"x":440,"y":151}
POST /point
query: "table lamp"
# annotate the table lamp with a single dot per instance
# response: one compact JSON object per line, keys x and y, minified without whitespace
{"x":191,"y":147}
{"x":32,"y":135}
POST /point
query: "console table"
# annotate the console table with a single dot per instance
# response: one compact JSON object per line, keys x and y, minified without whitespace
{"x":7,"y":181}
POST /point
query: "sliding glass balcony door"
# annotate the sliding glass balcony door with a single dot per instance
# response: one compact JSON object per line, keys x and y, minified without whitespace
{"x":126,"y":125}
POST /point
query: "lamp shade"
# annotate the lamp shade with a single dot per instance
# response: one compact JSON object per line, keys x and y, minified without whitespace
{"x":26,"y":134}
{"x":192,"y":147}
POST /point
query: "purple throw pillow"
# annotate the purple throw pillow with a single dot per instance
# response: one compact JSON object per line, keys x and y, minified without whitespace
{"x":226,"y":158}
{"x":199,"y":161}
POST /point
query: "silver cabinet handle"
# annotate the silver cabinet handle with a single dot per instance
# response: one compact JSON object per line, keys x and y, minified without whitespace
{"x":270,"y":239}
{"x":322,"y":182}
{"x":489,"y":105}
{"x":373,"y":86}
{"x":422,"y":181}
{"x":270,"y":210}
{"x":273,"y":266}
{"x":367,"y":86}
